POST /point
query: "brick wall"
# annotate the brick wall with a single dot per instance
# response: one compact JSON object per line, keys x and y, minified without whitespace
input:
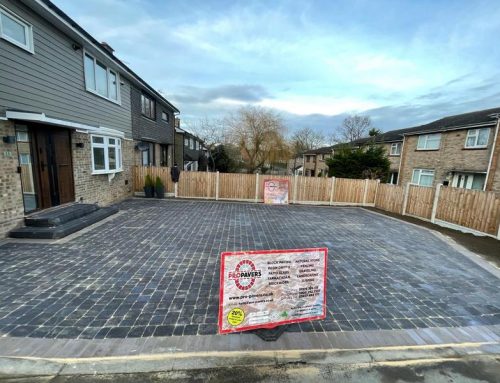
{"x":394,"y":160}
{"x":99,"y":188}
{"x":451,"y":156}
{"x":11,"y":200}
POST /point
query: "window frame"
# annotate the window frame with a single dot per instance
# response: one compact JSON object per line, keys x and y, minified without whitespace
{"x":426,"y":137}
{"x":167,"y":119}
{"x":186,"y":142}
{"x":152,"y":107}
{"x":108,"y":79}
{"x":28,"y":31}
{"x":398,"y":146}
{"x":476,"y":146}
{"x":420,"y":176}
{"x":106,"y":146}
{"x":191,"y":143}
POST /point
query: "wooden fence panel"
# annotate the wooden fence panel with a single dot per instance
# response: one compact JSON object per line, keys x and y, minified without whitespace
{"x":420,"y":201}
{"x":140,"y":172}
{"x":474,"y":209}
{"x":371,"y":191}
{"x":197,"y":185}
{"x":390,"y":198}
{"x":313,"y":189}
{"x":237,"y":186}
{"x":349,"y":190}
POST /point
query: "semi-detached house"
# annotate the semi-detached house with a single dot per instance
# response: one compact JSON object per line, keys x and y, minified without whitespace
{"x":460,"y":151}
{"x":74,"y":119}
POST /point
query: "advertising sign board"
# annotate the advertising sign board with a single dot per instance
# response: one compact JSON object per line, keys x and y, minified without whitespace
{"x":276,"y":191}
{"x":265,"y":289}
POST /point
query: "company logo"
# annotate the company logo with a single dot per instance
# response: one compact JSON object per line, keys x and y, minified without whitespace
{"x":245,"y":274}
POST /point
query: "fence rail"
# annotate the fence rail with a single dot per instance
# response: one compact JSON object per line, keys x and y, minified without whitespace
{"x":476,"y":211}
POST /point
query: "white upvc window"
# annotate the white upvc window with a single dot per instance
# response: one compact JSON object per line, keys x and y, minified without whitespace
{"x":429,"y":141}
{"x":101,"y":80}
{"x":106,"y":154}
{"x":423,"y":177}
{"x":191,"y":143}
{"x":15,"y":30}
{"x":186,"y":142}
{"x":477,"y":138}
{"x":396,"y":149}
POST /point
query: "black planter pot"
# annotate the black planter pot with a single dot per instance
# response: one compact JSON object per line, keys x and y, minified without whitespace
{"x":149,"y":191}
{"x":160,"y":192}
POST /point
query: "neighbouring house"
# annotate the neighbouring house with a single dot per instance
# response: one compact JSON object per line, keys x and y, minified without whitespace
{"x":68,"y":114}
{"x":153,"y":126}
{"x":295,"y":166}
{"x":189,"y":150}
{"x":314,"y":161}
{"x":459,"y":151}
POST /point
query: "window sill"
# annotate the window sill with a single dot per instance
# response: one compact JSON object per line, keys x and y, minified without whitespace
{"x":116,"y":102}
{"x":426,"y":150}
{"x":101,"y":172}
{"x":476,"y":148}
{"x":148,"y":118}
{"x":394,"y":155}
{"x":19,"y":45}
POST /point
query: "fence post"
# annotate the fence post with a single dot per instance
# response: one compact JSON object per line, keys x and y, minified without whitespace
{"x":332,"y":191}
{"x":376,"y":193}
{"x":175,"y":189}
{"x":365,"y":192}
{"x":217,"y":186}
{"x":257,"y":187}
{"x":405,"y":199}
{"x":295,"y":188}
{"x":435,"y":203}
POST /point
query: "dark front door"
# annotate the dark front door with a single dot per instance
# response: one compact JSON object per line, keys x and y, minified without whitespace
{"x":53,"y":167}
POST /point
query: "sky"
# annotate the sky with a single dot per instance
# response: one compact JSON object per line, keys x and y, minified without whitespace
{"x":402,"y":63}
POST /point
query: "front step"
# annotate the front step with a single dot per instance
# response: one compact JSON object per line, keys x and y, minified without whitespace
{"x":65,"y":226}
{"x":60,"y":214}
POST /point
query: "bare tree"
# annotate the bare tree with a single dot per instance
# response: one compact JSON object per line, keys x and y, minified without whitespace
{"x":259,"y":134}
{"x":306,"y":139}
{"x":354,"y":127}
{"x":212,"y":132}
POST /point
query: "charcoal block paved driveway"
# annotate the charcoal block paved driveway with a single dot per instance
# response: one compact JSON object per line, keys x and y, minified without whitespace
{"x":153,"y":270}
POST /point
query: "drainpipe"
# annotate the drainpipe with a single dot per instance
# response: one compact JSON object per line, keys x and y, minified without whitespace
{"x":493,"y":149}
{"x":401,"y":159}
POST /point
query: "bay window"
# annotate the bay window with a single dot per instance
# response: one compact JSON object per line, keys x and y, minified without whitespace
{"x":106,"y":154}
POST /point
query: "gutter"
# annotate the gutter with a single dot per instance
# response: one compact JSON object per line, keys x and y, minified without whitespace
{"x":446,"y":129}
{"x":493,"y":147}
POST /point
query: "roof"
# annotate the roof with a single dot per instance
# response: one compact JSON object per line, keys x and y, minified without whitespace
{"x":460,"y":121}
{"x":105,"y":51}
{"x":322,"y":150}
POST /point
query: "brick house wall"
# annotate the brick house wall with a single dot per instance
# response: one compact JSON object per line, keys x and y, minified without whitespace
{"x":393,"y":159}
{"x":11,"y":206}
{"x":99,"y":188}
{"x":452,"y":155}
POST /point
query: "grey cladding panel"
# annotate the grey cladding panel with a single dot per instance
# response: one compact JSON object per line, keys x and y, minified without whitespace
{"x":51,"y":80}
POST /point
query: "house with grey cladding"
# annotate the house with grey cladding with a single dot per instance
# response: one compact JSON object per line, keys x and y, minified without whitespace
{"x":74,"y":119}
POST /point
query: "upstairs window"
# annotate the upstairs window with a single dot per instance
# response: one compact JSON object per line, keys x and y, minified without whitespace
{"x":197,"y":145}
{"x":429,"y":141}
{"x":100,"y":80}
{"x":396,"y":149}
{"x":477,"y":138}
{"x":186,"y":141}
{"x":106,"y":155}
{"x":165,"y":116}
{"x":15,"y":30}
{"x":148,"y":107}
{"x":191,"y":143}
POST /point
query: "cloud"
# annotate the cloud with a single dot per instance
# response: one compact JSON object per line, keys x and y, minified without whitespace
{"x":238,"y":93}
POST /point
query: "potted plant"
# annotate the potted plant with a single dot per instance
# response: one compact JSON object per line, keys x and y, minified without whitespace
{"x":149,"y":187}
{"x":159,"y":188}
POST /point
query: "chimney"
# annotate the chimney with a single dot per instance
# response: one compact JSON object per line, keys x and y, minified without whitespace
{"x":177,"y":123}
{"x":106,"y":46}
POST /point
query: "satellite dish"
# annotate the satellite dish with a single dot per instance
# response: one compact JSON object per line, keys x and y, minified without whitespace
{"x":142,"y":146}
